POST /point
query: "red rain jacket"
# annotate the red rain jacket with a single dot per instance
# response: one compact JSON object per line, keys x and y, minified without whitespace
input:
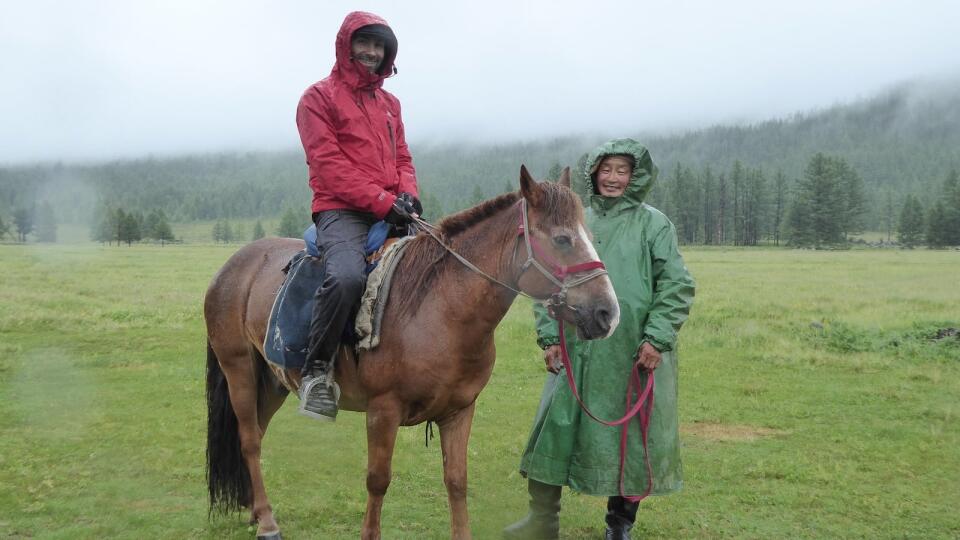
{"x":352,"y":133}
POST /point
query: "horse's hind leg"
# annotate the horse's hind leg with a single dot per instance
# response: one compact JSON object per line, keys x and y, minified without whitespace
{"x":383,"y":420}
{"x":454,"y":434}
{"x":245,"y":387}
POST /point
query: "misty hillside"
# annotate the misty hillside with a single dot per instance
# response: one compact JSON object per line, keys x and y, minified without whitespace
{"x":905,"y":140}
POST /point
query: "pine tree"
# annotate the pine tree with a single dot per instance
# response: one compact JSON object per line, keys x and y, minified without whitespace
{"x":799,"y":218}
{"x":46,"y":223}
{"x":258,"y":231}
{"x":240,"y":231}
{"x":291,"y":226}
{"x":951,"y":197}
{"x":150,"y":225}
{"x":4,"y":228}
{"x":854,"y":204}
{"x":686,"y":204}
{"x":23,"y":221}
{"x":432,"y":208}
{"x":217,"y":232}
{"x":910,"y":231}
{"x":754,"y":206}
{"x":780,"y":202}
{"x":736,"y":181}
{"x":937,"y":233}
{"x":721,"y":209}
{"x":708,"y":206}
{"x":226,"y":232}
{"x":554,"y":173}
{"x":888,"y":212}
{"x":477,"y":196}
{"x":818,"y":205}
{"x":118,"y":224}
{"x":103,"y":229}
{"x":131,"y":228}
{"x":161,"y":228}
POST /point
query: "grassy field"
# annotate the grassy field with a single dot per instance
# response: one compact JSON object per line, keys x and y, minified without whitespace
{"x":814,"y":404}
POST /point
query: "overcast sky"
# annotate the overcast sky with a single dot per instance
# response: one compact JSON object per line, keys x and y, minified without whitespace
{"x":90,"y":80}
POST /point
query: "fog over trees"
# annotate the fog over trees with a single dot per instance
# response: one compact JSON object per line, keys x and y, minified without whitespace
{"x":811,"y":179}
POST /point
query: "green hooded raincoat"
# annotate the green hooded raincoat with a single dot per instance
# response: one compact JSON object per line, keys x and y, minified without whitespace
{"x":638,"y":245}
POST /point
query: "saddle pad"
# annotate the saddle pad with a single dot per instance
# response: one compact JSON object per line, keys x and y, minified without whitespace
{"x":288,"y":330}
{"x":374,"y":300}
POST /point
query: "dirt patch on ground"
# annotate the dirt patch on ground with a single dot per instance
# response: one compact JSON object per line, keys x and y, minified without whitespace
{"x":728,"y":432}
{"x":944,"y":333}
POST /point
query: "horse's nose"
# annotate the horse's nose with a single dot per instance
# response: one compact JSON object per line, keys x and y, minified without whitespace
{"x":602,"y":317}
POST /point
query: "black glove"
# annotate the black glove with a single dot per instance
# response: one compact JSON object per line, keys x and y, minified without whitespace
{"x":410,"y":198}
{"x":401,"y":213}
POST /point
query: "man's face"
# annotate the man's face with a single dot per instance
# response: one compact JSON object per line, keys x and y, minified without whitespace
{"x":613,"y":175}
{"x":367,"y":50}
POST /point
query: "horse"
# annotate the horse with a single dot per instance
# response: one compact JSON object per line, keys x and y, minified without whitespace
{"x":436,"y":350}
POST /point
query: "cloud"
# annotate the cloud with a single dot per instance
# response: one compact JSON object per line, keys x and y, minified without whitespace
{"x":95,"y":80}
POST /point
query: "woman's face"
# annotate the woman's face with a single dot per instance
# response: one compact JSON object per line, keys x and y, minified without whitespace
{"x":613,"y":175}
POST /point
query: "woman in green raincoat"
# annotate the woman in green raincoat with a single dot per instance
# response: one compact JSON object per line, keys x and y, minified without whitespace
{"x":638,"y":246}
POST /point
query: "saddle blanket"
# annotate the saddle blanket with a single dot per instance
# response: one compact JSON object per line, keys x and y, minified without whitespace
{"x":288,"y":331}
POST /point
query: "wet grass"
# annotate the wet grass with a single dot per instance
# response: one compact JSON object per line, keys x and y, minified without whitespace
{"x":815,"y":401}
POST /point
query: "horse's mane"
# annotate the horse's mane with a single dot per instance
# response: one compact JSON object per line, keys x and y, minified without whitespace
{"x":424,"y":259}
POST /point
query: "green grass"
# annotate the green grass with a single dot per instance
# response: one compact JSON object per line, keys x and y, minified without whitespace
{"x":814,"y":404}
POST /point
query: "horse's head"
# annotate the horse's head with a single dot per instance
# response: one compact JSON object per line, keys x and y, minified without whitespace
{"x":561,"y":259}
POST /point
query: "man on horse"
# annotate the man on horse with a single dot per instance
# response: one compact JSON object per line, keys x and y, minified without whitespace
{"x":360,"y":172}
{"x":638,"y":245}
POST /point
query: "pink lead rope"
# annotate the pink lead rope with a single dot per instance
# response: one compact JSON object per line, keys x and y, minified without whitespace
{"x":642,"y":409}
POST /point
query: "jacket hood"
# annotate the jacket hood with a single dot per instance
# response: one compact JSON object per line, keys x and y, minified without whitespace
{"x":644,"y":173}
{"x":352,"y":72}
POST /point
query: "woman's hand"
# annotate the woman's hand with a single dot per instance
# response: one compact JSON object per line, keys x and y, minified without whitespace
{"x":648,"y":356}
{"x":551,"y":357}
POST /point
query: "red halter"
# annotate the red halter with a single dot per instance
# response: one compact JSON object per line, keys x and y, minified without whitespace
{"x":558,"y":274}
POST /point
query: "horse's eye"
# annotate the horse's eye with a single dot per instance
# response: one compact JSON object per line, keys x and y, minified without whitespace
{"x":562,"y":241}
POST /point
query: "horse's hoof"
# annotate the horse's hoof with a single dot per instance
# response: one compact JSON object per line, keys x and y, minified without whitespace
{"x":271,"y":536}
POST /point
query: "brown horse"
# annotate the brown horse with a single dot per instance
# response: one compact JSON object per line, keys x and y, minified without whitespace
{"x":436,"y":350}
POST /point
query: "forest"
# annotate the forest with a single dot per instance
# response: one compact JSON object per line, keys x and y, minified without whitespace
{"x":887,"y":164}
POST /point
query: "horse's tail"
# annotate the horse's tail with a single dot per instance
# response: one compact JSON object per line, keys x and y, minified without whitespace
{"x":228,"y":478}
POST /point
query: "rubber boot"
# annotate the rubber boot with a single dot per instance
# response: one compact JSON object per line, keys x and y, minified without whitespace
{"x":543,"y":521}
{"x":621,"y":515}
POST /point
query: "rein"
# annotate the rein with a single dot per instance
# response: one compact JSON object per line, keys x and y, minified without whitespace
{"x":642,"y":410}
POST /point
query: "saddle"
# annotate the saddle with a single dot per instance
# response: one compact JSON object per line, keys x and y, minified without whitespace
{"x":288,"y":329}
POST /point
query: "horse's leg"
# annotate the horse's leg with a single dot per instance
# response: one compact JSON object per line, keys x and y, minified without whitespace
{"x":271,"y":395}
{"x":242,"y":380}
{"x":383,"y":420}
{"x":454,"y":434}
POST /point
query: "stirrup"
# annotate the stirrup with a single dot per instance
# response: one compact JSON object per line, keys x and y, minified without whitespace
{"x":304,"y":394}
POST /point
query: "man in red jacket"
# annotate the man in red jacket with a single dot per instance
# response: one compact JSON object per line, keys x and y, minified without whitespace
{"x":360,"y":172}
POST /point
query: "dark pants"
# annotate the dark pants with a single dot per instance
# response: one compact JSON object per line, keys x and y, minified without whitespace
{"x":340,"y":238}
{"x":621,"y":512}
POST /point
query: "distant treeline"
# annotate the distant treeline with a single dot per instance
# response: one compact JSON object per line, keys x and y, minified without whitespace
{"x":722,"y":185}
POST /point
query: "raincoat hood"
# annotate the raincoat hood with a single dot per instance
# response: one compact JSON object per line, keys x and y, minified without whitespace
{"x":353,"y":73}
{"x":644,"y":174}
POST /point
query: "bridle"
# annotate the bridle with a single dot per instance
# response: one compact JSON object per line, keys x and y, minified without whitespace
{"x":562,"y":276}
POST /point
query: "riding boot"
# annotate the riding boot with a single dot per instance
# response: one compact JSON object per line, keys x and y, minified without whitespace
{"x":319,"y":394}
{"x":621,"y":514}
{"x":543,"y":521}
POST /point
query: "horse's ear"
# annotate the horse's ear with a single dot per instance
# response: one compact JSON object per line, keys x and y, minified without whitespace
{"x":565,"y":177}
{"x":529,"y":187}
